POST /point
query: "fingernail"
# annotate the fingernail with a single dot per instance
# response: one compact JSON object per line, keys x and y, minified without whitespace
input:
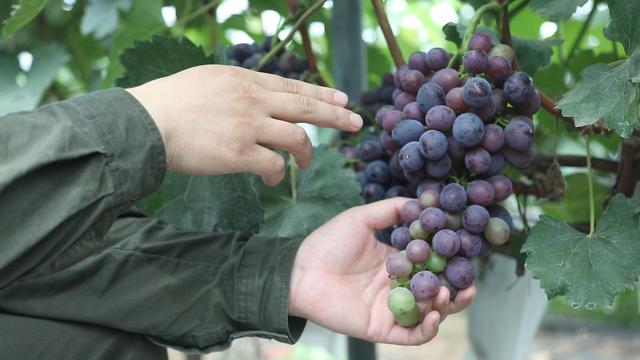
{"x":356,"y":120}
{"x":340,"y":97}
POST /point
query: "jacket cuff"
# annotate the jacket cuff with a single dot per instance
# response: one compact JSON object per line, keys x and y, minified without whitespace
{"x":132,"y":142}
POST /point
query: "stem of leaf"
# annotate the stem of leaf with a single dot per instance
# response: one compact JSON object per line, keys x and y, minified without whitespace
{"x":293,"y":180}
{"x":300,"y":22}
{"x":201,"y":10}
{"x":592,"y":212}
{"x":581,"y":34}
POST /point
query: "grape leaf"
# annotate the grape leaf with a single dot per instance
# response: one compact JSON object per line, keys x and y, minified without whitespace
{"x":199,"y":202}
{"x":101,"y":16}
{"x":556,"y":9}
{"x":22,"y":13}
{"x":323,"y":190}
{"x":606,"y":92}
{"x":624,"y":26}
{"x":589,"y":270}
{"x":534,"y":54}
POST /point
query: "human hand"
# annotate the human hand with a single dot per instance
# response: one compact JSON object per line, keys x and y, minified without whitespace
{"x":339,"y":280}
{"x":217,"y":119}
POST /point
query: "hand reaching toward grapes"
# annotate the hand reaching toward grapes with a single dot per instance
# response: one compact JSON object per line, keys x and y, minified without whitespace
{"x":339,"y":280}
{"x":218,"y":119}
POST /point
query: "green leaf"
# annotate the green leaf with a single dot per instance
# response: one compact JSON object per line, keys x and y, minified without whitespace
{"x":199,"y":202}
{"x":26,"y":94}
{"x":324,"y":190}
{"x":22,"y":13}
{"x":534,"y":54}
{"x":454,"y":32}
{"x":624,"y":26}
{"x":574,"y":207}
{"x":101,"y":16}
{"x":149,"y":60}
{"x":606,"y":92}
{"x":557,"y":9}
{"x":589,"y":270}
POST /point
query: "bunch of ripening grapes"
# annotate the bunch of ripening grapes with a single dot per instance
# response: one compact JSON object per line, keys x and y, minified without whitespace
{"x":446,"y":140}
{"x":285,"y":63}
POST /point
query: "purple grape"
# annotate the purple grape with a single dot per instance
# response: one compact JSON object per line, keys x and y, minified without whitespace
{"x":368,"y":97}
{"x":399,"y":74}
{"x":415,"y":176}
{"x":523,"y":118}
{"x":460,"y":272}
{"x":447,"y":79}
{"x":487,"y":112}
{"x":387,"y":142}
{"x":470,"y":244}
{"x":518,"y":159}
{"x":407,"y":131}
{"x":468,"y":130}
{"x":399,"y":266}
{"x":388,"y":80}
{"x":480,"y":192}
{"x":429,"y":198}
{"x":499,"y":101}
{"x":476,"y":61}
{"x":417,"y":61}
{"x":504,"y":51}
{"x":417,"y":232}
{"x":455,"y":100}
{"x":433,"y":145}
{"x":481,"y":40}
{"x":429,"y":184}
{"x":437,"y":58}
{"x":369,"y":150}
{"x":518,"y":135}
{"x":499,"y":68}
{"x":373,"y":192}
{"x":412,"y":111}
{"x":454,"y":220}
{"x":433,"y":220}
{"x":502,"y":213}
{"x":400,"y":237}
{"x":454,"y":149}
{"x":425,"y":285}
{"x":385,"y":93}
{"x":453,"y":198}
{"x":395,"y":94}
{"x":530,"y":106}
{"x":486,"y":248}
{"x":394,"y":167}
{"x":410,"y":211}
{"x":477,"y":160}
{"x":477,"y":92}
{"x":452,"y":289}
{"x":402,"y":100}
{"x":439,"y":168}
{"x":518,"y":88}
{"x":381,"y":112}
{"x":378,"y":172}
{"x":396,"y":191}
{"x":240,"y":52}
{"x":412,"y":81}
{"x":418,"y":251}
{"x":361,"y":177}
{"x":391,"y":118}
{"x":497,"y":231}
{"x":475,"y":218}
{"x":502,"y":186}
{"x":440,"y":117}
{"x":493,"y":138}
{"x":446,"y":243}
{"x":410,"y":158}
{"x":497,"y":165}
{"x":430,"y":95}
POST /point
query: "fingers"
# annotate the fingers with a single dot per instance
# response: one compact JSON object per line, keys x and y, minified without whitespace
{"x":265,"y":163}
{"x":381,"y":214}
{"x":297,"y":108}
{"x":284,"y":85}
{"x":441,"y":303}
{"x":462,"y":300}
{"x":276,"y":134}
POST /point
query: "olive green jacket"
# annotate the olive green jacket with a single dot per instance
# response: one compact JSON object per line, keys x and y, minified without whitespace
{"x":72,"y":250}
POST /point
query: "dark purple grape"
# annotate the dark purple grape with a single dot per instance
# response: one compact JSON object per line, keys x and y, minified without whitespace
{"x":410,"y":158}
{"x":388,"y":80}
{"x":417,"y":232}
{"x":486,"y":248}
{"x":394,"y":167}
{"x":477,"y":92}
{"x":369,"y":150}
{"x":497,"y":231}
{"x":387,"y":142}
{"x":487,"y":113}
{"x":429,"y":198}
{"x":452,"y":289}
{"x":499,"y":101}
{"x":454,"y":149}
{"x":437,"y":58}
{"x":252,"y":61}
{"x":400,"y":237}
{"x":407,"y":131}
{"x":385,"y":93}
{"x":381,"y":112}
{"x":518,"y":135}
{"x":410,"y":211}
{"x":240,"y":52}
{"x":481,"y":40}
{"x":518,"y":159}
{"x":480,"y":192}
{"x":440,"y":117}
{"x":429,"y":184}
{"x":497,"y":165}
{"x":518,"y":88}
{"x":395,"y":94}
{"x":402,"y":100}
{"x":425,"y":285}
{"x":446,"y":243}
{"x":368,"y":97}
{"x":470,"y":244}
{"x":475,"y":218}
{"x":415,"y":176}
{"x":504,"y":51}
{"x":455,"y":100}
{"x":430,"y":95}
{"x":396,"y":191}
{"x":499,"y":68}
{"x":477,"y":160}
{"x":440,"y":168}
{"x":523,"y":118}
{"x":433,"y":220}
{"x":378,"y":172}
{"x":391,"y":118}
{"x":361,"y":178}
{"x":530,"y":106}
{"x":412,"y":81}
{"x":412,"y":111}
{"x":460,"y":272}
{"x":502,"y":186}
{"x":502,"y":213}
{"x":447,"y":79}
{"x":418,"y":251}
{"x":399,"y":266}
{"x":493,"y":138}
{"x":453,"y":198}
{"x":454,"y":220}
{"x":399,"y":74}
{"x":384,"y":236}
{"x":468,"y":130}
{"x":433,"y":145}
{"x":417,"y":61}
{"x":476,"y":61}
{"x":373,"y":192}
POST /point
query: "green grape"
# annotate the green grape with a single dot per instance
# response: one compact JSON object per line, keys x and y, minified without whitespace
{"x":409,"y":318}
{"x":417,"y":232}
{"x":401,"y":300}
{"x":435,"y":263}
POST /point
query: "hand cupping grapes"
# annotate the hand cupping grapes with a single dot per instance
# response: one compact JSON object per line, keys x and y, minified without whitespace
{"x":446,"y":139}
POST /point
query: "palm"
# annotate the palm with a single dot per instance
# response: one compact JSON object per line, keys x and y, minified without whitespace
{"x":345,"y":284}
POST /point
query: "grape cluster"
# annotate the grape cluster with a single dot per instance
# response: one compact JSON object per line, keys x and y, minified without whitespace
{"x":446,"y":140}
{"x":285,"y":64}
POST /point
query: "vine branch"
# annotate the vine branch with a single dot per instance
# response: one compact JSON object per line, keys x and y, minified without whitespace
{"x":306,"y":44}
{"x":392,"y":43}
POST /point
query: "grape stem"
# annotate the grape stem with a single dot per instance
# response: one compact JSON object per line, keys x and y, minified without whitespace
{"x":293,"y":180}
{"x":298,"y":24}
{"x":475,"y":21}
{"x":592,"y":212}
{"x":201,"y":10}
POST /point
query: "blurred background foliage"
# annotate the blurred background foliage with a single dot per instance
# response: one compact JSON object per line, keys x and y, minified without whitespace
{"x":72,"y":47}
